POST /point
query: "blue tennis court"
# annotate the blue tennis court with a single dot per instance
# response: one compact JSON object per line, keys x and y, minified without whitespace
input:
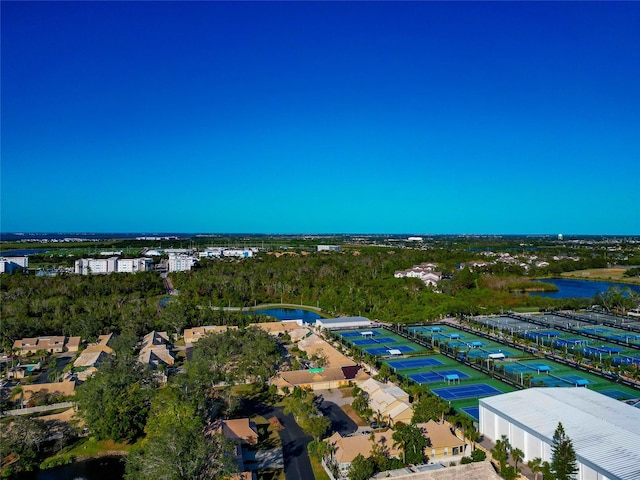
{"x":595,"y":331}
{"x":436,"y":376}
{"x":626,"y":360}
{"x":625,"y":338}
{"x":548,"y":381}
{"x":617,"y":394}
{"x":519,"y":367}
{"x":561,"y":381}
{"x":370,"y":341}
{"x":466,"y":391}
{"x":384,"y":350}
{"x":516,"y":368}
{"x":566,"y":342}
{"x":575,"y":379}
{"x":473,"y":412}
{"x":426,"y":329}
{"x":494,"y":350}
{"x":414,"y":363}
{"x":602,"y":349}
{"x":351,"y":334}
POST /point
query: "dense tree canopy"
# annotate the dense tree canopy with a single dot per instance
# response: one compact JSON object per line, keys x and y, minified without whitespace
{"x":355,"y":282}
{"x":115,"y":401}
{"x":177,"y":444}
{"x":410,"y":439}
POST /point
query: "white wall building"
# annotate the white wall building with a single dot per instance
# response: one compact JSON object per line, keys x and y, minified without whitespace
{"x":133,"y":265}
{"x":343,"y":322}
{"x":104,"y":266}
{"x":10,"y":264}
{"x":605,"y":432}
{"x":329,"y":248}
{"x":180,"y":262}
{"x":217,"y":252}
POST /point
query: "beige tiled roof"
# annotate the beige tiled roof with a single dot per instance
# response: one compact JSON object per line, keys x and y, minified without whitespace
{"x":89,"y":358}
{"x":156,"y":355}
{"x":299,"y":377}
{"x":348,"y":448}
{"x":313,"y":345}
{"x":62,"y":388}
{"x":154,"y":338}
{"x":105,"y":339}
{"x":238,"y":430}
{"x":73,"y":344}
{"x":439,"y":434}
{"x":47,"y":343}
{"x":194,"y":334}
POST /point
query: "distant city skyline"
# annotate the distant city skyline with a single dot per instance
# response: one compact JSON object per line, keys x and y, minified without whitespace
{"x":321,"y":117}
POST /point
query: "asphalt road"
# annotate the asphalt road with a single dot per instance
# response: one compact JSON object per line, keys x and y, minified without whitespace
{"x":297,"y":465}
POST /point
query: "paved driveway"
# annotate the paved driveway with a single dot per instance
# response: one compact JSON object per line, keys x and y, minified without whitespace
{"x":340,"y":421}
{"x":297,"y":465}
{"x":263,"y":459}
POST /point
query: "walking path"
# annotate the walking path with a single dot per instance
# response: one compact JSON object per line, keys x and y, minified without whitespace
{"x":43,"y":408}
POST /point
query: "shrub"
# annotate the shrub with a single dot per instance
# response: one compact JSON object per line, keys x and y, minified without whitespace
{"x":52,"y":462}
{"x":478,"y":455}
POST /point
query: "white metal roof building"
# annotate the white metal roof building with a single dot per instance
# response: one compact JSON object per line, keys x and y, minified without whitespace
{"x":605,"y":432}
{"x":343,"y":322}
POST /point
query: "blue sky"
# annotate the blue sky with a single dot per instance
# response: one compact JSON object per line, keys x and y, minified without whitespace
{"x":354,"y":117}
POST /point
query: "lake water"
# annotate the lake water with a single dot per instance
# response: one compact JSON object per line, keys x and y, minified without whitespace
{"x":106,"y":468}
{"x":572,"y":288}
{"x":22,"y":253}
{"x":287,"y":314}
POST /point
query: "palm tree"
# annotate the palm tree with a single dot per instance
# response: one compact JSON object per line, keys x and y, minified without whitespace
{"x":517,"y":455}
{"x":536,"y":466}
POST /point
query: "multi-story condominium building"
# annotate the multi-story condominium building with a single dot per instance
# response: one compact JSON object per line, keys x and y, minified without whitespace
{"x":181,"y":262}
{"x":10,"y":264}
{"x":246,"y":252}
{"x":133,"y":265}
{"x":95,"y":266}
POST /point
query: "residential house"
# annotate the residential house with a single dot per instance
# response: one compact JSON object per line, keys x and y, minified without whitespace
{"x":239,"y":430}
{"x":316,"y":346}
{"x":51,"y":344}
{"x":192,"y":335}
{"x":89,"y":360}
{"x":389,"y":401}
{"x":59,"y":389}
{"x":23,"y":370}
{"x":441,"y":441}
{"x":242,"y":432}
{"x":320,"y":378}
{"x":425,"y":272}
{"x":296,"y":329}
{"x":154,"y":350}
{"x":345,"y":449}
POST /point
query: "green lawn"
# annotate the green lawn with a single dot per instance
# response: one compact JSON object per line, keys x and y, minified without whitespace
{"x":91,"y":447}
{"x":318,"y":471}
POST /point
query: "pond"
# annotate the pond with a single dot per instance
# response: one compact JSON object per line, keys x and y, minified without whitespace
{"x":105,"y":468}
{"x":287,"y":314}
{"x":22,"y":253}
{"x":573,"y":288}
